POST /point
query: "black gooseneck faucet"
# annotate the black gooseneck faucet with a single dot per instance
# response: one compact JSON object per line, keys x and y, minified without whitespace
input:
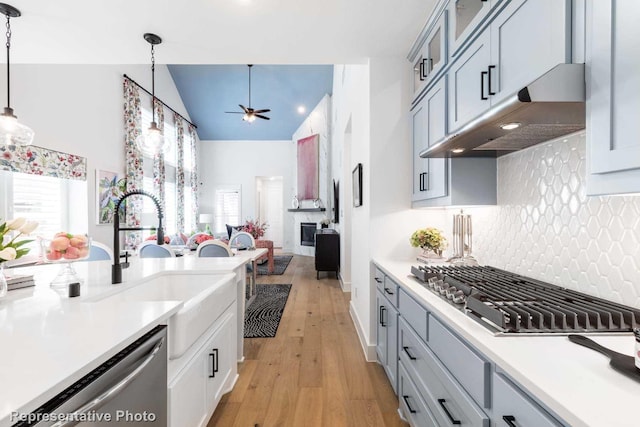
{"x":116,"y":268}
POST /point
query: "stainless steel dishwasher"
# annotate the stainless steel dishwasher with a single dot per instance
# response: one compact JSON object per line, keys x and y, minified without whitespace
{"x":127,"y":390}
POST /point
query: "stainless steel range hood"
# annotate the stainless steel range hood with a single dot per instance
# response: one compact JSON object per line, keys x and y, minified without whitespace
{"x":550,"y":107}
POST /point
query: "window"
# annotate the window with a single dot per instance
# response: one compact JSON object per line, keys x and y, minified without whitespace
{"x":56,"y":204}
{"x":227,"y":208}
{"x":170,"y":160}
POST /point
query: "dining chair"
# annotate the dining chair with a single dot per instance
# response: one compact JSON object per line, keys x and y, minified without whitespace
{"x":99,"y":252}
{"x":243,"y":240}
{"x":151,"y":249}
{"x":213,"y":248}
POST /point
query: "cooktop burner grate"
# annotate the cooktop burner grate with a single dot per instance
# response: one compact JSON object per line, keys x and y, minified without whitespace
{"x":516,"y":304}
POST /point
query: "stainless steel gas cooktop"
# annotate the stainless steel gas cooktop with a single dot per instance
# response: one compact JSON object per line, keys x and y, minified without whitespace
{"x":512,"y":304}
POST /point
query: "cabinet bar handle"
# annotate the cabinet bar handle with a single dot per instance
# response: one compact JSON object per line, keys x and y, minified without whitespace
{"x":446,"y":411}
{"x":425,"y":72}
{"x":421,"y":71}
{"x":491,"y":67}
{"x":482,"y":74}
{"x":406,"y":350}
{"x":377,"y":279}
{"x":509,"y":419}
{"x":406,"y":401}
{"x":387,"y":290}
{"x":213,"y":365}
{"x":216,"y":361}
{"x":382,"y":310}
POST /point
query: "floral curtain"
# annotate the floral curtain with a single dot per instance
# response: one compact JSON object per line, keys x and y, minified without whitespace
{"x":159,"y":174}
{"x":134,"y":171}
{"x":42,"y":161}
{"x":179,"y":172}
{"x":194,"y":176}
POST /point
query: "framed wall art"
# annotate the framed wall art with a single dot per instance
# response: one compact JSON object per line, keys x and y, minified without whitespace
{"x":357,"y":185}
{"x":308,"y":168}
{"x":110,"y":186}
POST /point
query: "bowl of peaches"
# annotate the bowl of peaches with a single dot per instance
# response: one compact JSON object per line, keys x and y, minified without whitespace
{"x":65,"y":248}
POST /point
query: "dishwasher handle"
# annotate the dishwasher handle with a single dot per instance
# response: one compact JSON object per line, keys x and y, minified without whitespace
{"x":113,"y":391}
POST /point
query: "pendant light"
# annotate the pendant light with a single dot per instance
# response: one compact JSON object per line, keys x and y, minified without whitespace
{"x":11,"y":131}
{"x":152,"y":140}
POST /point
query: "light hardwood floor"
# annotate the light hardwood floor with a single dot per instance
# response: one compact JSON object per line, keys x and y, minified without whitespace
{"x":313,"y":373}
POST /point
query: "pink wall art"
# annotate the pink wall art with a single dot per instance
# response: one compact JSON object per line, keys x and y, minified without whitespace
{"x":308,"y":168}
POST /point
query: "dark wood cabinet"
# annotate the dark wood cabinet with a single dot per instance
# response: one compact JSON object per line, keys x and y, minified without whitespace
{"x":327,"y":251}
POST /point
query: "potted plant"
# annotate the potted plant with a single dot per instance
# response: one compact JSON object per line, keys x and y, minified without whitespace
{"x":430,"y":240}
{"x":10,"y":247}
{"x":325,"y":223}
{"x":255,"y":228}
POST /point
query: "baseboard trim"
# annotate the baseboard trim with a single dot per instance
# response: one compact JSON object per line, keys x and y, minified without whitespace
{"x":345,"y":286}
{"x":368,"y":350}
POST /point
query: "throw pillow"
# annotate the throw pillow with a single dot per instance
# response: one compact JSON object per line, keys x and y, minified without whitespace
{"x":231,"y":228}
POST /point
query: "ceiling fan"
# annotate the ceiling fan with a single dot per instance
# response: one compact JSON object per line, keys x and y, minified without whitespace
{"x":250,"y":114}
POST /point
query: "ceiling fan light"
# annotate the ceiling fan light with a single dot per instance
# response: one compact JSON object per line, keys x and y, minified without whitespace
{"x":13,"y":132}
{"x":250,"y":118}
{"x":152,"y":142}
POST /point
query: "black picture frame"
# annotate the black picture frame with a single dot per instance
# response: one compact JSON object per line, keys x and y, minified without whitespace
{"x":336,"y":201}
{"x":357,"y":185}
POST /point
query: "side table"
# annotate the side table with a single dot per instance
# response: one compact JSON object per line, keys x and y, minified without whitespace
{"x":268,"y":245}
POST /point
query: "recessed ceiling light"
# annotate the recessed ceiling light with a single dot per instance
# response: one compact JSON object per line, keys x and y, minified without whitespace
{"x":457,"y":150}
{"x":302,"y":109}
{"x":510,"y":126}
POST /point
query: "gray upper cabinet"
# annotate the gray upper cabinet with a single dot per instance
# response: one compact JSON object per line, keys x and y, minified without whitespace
{"x":528,"y":38}
{"x":613,"y":107}
{"x":429,"y":125}
{"x":432,"y":56}
{"x":525,"y":40}
{"x":468,"y":91}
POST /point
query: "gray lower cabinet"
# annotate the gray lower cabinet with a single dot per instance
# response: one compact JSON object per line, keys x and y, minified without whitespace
{"x":387,"y":329}
{"x":440,"y":379}
{"x":512,"y":407}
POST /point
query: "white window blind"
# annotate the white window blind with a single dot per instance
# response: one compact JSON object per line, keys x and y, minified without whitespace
{"x":227,"y":208}
{"x":42,"y":199}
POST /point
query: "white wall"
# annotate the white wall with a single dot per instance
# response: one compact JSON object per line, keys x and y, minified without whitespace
{"x":373,"y":100}
{"x":240,"y":162}
{"x":78,"y":109}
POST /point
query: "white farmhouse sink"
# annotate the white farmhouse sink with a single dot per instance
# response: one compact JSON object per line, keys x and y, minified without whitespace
{"x":205,"y":297}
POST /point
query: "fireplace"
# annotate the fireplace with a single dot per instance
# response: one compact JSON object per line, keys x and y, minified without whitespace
{"x":308,"y":233}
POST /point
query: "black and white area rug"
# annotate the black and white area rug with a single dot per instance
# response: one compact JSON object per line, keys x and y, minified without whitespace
{"x":263,"y":316}
{"x":280,"y":264}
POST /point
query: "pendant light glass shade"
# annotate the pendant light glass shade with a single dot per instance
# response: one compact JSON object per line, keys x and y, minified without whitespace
{"x":152,"y":141}
{"x":12,"y":132}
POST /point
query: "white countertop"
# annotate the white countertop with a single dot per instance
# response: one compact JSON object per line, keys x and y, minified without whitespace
{"x":575,"y":382}
{"x":49,"y":341}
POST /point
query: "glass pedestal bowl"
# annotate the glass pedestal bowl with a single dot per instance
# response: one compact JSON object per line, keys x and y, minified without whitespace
{"x":65,"y":249}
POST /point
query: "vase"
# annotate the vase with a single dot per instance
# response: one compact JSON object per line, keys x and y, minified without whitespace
{"x":3,"y":281}
{"x":431,"y":254}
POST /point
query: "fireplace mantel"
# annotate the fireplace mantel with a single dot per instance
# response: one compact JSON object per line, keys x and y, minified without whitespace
{"x":307,"y":210}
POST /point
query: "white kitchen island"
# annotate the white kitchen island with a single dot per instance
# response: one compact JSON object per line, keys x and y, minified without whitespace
{"x":50,"y":340}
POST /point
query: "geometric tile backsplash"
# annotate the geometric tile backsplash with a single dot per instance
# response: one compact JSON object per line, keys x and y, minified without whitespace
{"x":547,"y":228}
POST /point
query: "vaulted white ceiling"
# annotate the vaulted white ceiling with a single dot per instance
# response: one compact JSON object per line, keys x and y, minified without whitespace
{"x":215,"y":31}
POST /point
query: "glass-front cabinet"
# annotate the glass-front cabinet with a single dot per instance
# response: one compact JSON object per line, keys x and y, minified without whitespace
{"x":465,"y":17}
{"x":433,"y":55}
